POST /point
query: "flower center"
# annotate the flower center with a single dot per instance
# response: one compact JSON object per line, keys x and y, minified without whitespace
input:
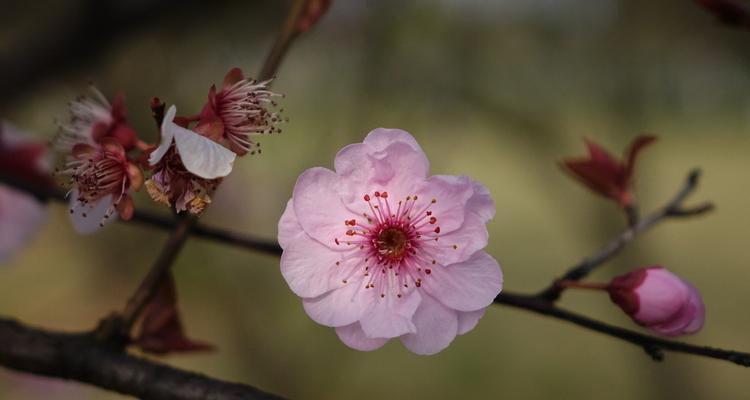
{"x":394,"y":248}
{"x":392,"y":243}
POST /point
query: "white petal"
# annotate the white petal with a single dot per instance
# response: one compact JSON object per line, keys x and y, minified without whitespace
{"x":94,"y":214}
{"x":390,"y":316}
{"x":166,"y":137}
{"x":201,"y":155}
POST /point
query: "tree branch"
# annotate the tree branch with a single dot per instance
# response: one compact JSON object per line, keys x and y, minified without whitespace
{"x":651,"y":344}
{"x":80,"y":357}
{"x":163,"y":222}
{"x":675,"y":208}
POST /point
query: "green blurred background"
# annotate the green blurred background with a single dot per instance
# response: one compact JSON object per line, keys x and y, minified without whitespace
{"x":497,"y":90}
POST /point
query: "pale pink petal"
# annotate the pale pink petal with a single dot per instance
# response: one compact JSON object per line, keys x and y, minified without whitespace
{"x":388,"y":160}
{"x":460,"y":244}
{"x":451,"y":194}
{"x":338,"y":307}
{"x":390,"y":316}
{"x":309,"y":267}
{"x":21,"y":216}
{"x":481,"y":202}
{"x":89,"y":218}
{"x":468,"y":320}
{"x":467,"y":286}
{"x":354,"y":337}
{"x":318,"y":206}
{"x":289,"y":228}
{"x":436,"y":325}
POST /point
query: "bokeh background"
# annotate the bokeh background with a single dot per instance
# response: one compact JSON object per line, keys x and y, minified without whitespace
{"x":497,"y":90}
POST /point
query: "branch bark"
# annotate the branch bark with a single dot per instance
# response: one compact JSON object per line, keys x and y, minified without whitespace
{"x":675,"y":208}
{"x":80,"y":357}
{"x":653,"y":345}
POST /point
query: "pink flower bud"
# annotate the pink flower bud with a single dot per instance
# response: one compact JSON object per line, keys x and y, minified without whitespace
{"x":659,"y":300}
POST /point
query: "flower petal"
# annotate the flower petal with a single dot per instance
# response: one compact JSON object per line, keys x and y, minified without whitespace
{"x":166,"y":137}
{"x":388,"y":159}
{"x":89,"y":218}
{"x":437,"y":326}
{"x":318,"y":206}
{"x":354,"y":337}
{"x":390,"y":316}
{"x":21,"y":216}
{"x":467,"y":286}
{"x":468,"y":320}
{"x":451,"y":193}
{"x":338,"y":307}
{"x":202,"y":156}
{"x":309,"y":267}
{"x":289,"y":228}
{"x":459,"y":245}
{"x":481,"y":202}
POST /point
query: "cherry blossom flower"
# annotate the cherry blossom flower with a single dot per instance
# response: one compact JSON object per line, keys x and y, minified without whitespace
{"x":604,"y":174}
{"x":93,"y":119}
{"x":101,"y":176}
{"x":659,"y":300}
{"x":96,"y":140}
{"x":21,"y":214}
{"x":237,"y":111}
{"x":187,"y":167}
{"x":379,"y":250}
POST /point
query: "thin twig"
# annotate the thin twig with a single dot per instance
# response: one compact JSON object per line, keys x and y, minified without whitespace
{"x":81,"y":357}
{"x":47,"y":193}
{"x":150,"y":284}
{"x":673,"y":209}
{"x":289,"y":32}
{"x":651,"y":344}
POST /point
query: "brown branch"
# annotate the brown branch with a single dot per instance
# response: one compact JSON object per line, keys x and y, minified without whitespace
{"x":675,"y":208}
{"x":163,"y":222}
{"x":289,"y":32}
{"x":651,"y":344}
{"x":80,"y":357}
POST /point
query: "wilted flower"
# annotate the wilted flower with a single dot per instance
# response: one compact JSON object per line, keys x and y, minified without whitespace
{"x":96,"y":141}
{"x":240,"y":109}
{"x":606,"y":175}
{"x":187,"y":167}
{"x":21,"y":214}
{"x":379,"y":250}
{"x":659,"y":300}
{"x":93,"y":119}
{"x":101,"y":176}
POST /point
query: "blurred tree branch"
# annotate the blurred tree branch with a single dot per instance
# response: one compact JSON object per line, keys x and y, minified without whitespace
{"x":673,"y":209}
{"x":81,"y":357}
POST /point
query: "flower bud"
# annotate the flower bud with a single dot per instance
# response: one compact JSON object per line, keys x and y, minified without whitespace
{"x":659,"y":300}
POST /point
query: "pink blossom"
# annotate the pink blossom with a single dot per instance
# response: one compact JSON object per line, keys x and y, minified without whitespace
{"x":93,"y":119}
{"x":240,"y":109}
{"x":379,"y":250}
{"x":659,"y":300}
{"x":95,"y":141}
{"x":101,"y":176}
{"x":21,"y":214}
